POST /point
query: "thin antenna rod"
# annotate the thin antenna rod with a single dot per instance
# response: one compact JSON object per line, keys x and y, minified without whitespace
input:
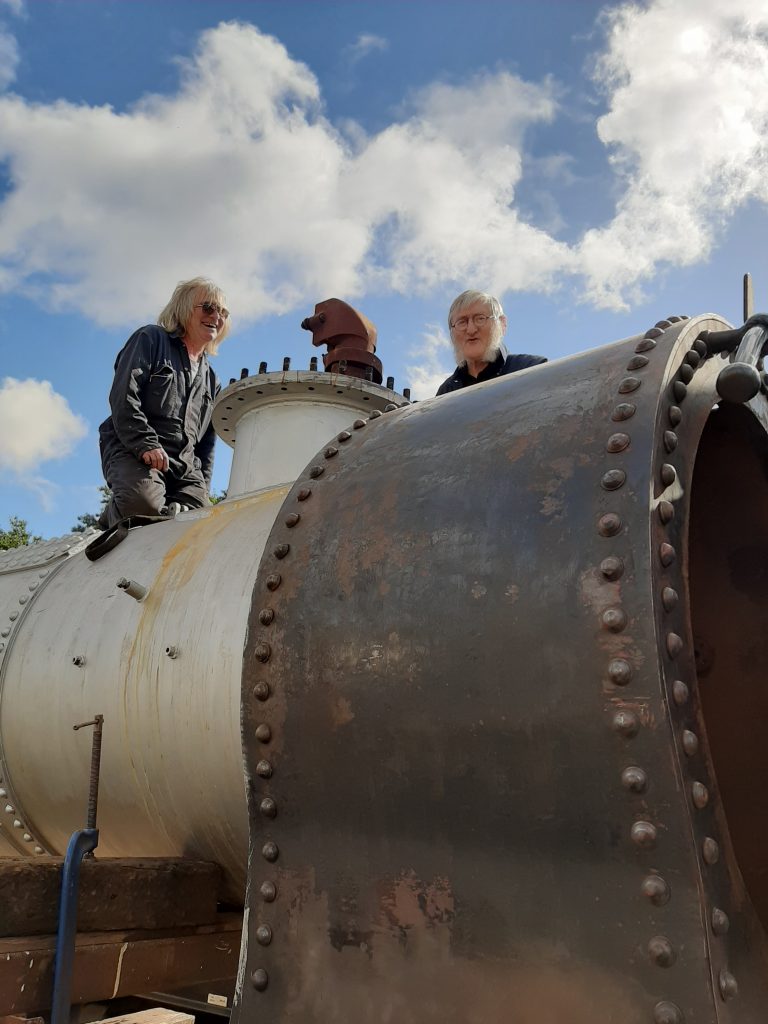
{"x":749,"y":298}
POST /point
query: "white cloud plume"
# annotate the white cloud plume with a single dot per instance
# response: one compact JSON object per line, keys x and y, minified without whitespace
{"x":238,"y":175}
{"x":9,"y":58}
{"x":687,"y":88}
{"x":16,"y":6}
{"x":36,"y":425}
{"x":365,"y":43}
{"x":432,"y":362}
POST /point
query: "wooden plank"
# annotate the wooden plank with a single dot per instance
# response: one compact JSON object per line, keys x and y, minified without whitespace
{"x":114,"y":893}
{"x":154,"y":1015}
{"x":112,"y":964}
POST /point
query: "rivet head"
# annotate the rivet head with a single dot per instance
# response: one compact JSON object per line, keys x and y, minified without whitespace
{"x":316,"y":471}
{"x":268,"y":892}
{"x":625,"y":723}
{"x":686,"y":373}
{"x":670,"y":440}
{"x":23,"y":599}
{"x":675,"y":415}
{"x":679,"y":390}
{"x":637,"y":362}
{"x":281,"y":550}
{"x":264,"y":769}
{"x":5,"y":632}
{"x":344,"y":436}
{"x":268,"y":807}
{"x":613,"y":479}
{"x":13,"y":616}
{"x":667,"y":554}
{"x":612,"y":567}
{"x":304,"y":493}
{"x":261,"y":691}
{"x":358,"y":424}
{"x":668,"y":474}
{"x":700,"y":346}
{"x":667,"y":1013}
{"x":699,"y":795}
{"x":669,"y":598}
{"x":259,"y":979}
{"x":634,"y":779}
{"x":617,"y":442}
{"x":644,"y":834}
{"x":693,"y":358}
{"x":263,"y":935}
{"x":619,"y":672}
{"x":292,"y":519}
{"x":662,"y":324}
{"x":674,"y":644}
{"x":623,"y":411}
{"x":710,"y":851}
{"x":262,"y":651}
{"x":648,"y":341}
{"x":729,"y":987}
{"x":628,"y":385}
{"x":609,"y":525}
{"x":720,"y":921}
{"x":656,"y":889}
{"x":390,"y":407}
{"x":9,"y":809}
{"x":274,"y":580}
{"x":330,"y":452}
{"x":266,"y":616}
{"x":661,"y":952}
{"x":263,"y":733}
{"x":270,"y":852}
{"x":666,"y":511}
{"x":690,"y":742}
{"x":680,"y":692}
{"x":374,"y":415}
{"x":614,"y":619}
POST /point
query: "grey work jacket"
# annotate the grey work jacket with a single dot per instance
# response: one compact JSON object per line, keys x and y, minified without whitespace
{"x":155,"y":403}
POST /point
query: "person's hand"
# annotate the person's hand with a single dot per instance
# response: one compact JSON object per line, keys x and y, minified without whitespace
{"x":156,"y":459}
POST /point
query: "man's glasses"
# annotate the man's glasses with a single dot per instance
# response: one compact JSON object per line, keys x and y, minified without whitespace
{"x":209,"y":308}
{"x":478,"y":320}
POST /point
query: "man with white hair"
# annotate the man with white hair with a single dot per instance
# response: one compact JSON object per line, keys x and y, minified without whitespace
{"x":477,"y":325}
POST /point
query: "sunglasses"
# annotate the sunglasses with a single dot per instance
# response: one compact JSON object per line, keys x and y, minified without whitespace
{"x":209,"y":308}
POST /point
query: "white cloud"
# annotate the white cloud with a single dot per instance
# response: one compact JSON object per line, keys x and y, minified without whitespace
{"x":36,"y":425}
{"x":238,"y":175}
{"x":16,"y":6}
{"x":432,"y":362}
{"x":365,"y":43}
{"x":9,"y":58}
{"x":687,"y":88}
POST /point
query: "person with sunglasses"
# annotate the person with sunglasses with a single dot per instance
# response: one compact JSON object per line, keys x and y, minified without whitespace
{"x":477,"y":325}
{"x":157,"y":443}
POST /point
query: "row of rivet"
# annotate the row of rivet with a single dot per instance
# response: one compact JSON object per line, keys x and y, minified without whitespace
{"x":262,"y":691}
{"x":667,"y":554}
{"x":6,"y":631}
{"x":10,"y":810}
{"x":626,"y":723}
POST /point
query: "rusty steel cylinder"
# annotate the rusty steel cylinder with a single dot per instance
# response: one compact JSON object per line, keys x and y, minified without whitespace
{"x":504,"y":714}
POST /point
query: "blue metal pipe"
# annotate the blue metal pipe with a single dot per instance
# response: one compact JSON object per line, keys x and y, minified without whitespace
{"x":80,"y":843}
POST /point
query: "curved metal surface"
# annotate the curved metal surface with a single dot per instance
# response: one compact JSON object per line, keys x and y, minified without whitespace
{"x":480,"y":782}
{"x":164,"y":672}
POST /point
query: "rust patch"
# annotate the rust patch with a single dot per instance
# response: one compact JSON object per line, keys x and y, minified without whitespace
{"x":341,"y":712}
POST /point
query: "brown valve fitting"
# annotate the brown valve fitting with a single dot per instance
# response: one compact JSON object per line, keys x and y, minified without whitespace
{"x":350,"y":337}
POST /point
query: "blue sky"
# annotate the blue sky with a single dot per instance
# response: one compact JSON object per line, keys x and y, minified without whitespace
{"x":598,"y":166}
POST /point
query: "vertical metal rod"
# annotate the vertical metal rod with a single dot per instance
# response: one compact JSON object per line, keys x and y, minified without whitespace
{"x":93,"y":782}
{"x":81,"y":844}
{"x":749,"y":298}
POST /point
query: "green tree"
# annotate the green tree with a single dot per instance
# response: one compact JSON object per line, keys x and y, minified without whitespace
{"x":88,"y":518}
{"x":17,"y":536}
